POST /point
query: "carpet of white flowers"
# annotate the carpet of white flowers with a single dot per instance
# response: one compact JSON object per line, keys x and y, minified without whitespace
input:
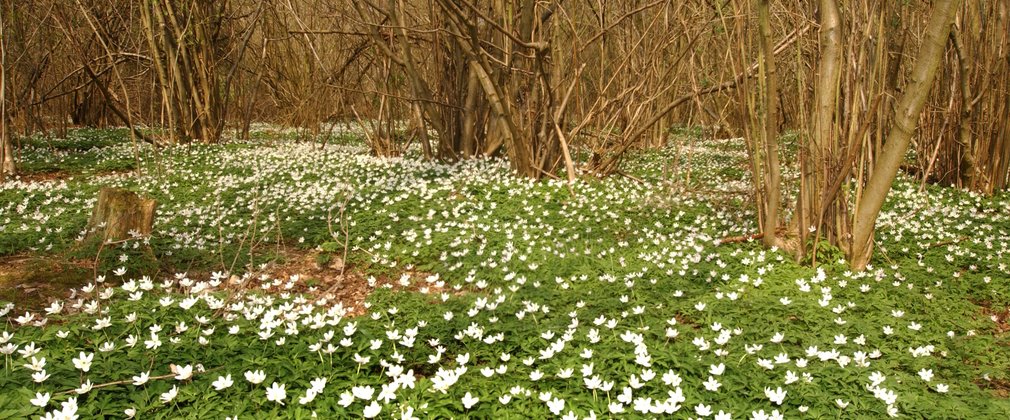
{"x":504,"y":297}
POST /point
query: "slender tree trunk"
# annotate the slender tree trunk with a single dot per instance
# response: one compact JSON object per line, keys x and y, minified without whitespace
{"x":181,"y":37}
{"x":416,"y":82}
{"x":821,"y":148}
{"x":905,"y":119}
{"x":6,"y":151}
{"x":769,"y":132}
{"x":969,"y":169}
{"x":468,"y":136}
{"x":160,"y":70}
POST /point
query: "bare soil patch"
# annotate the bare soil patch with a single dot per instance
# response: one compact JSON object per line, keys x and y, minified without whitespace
{"x":31,"y":283}
{"x":325,"y":275}
{"x":34,"y":177}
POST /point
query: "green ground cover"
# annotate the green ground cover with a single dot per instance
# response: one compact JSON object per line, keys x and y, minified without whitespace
{"x":491,"y":296}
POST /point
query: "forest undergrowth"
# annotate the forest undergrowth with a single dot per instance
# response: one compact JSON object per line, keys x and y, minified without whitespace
{"x":488,"y":295}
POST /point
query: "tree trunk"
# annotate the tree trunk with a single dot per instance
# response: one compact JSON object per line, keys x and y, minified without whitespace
{"x":905,"y":119}
{"x":181,"y":37}
{"x":969,"y":169}
{"x":822,"y":150}
{"x":120,"y":214}
{"x":769,"y":133}
{"x":6,"y":151}
{"x":7,"y":167}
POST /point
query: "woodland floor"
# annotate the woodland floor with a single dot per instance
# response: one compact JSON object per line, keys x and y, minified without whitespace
{"x":464,"y":291}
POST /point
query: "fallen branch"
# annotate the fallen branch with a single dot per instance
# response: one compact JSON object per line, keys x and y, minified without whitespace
{"x":196,"y":371}
{"x":739,"y":239}
{"x":947,"y":242}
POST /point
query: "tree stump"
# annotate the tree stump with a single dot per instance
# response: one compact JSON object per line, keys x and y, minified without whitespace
{"x":121,"y":214}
